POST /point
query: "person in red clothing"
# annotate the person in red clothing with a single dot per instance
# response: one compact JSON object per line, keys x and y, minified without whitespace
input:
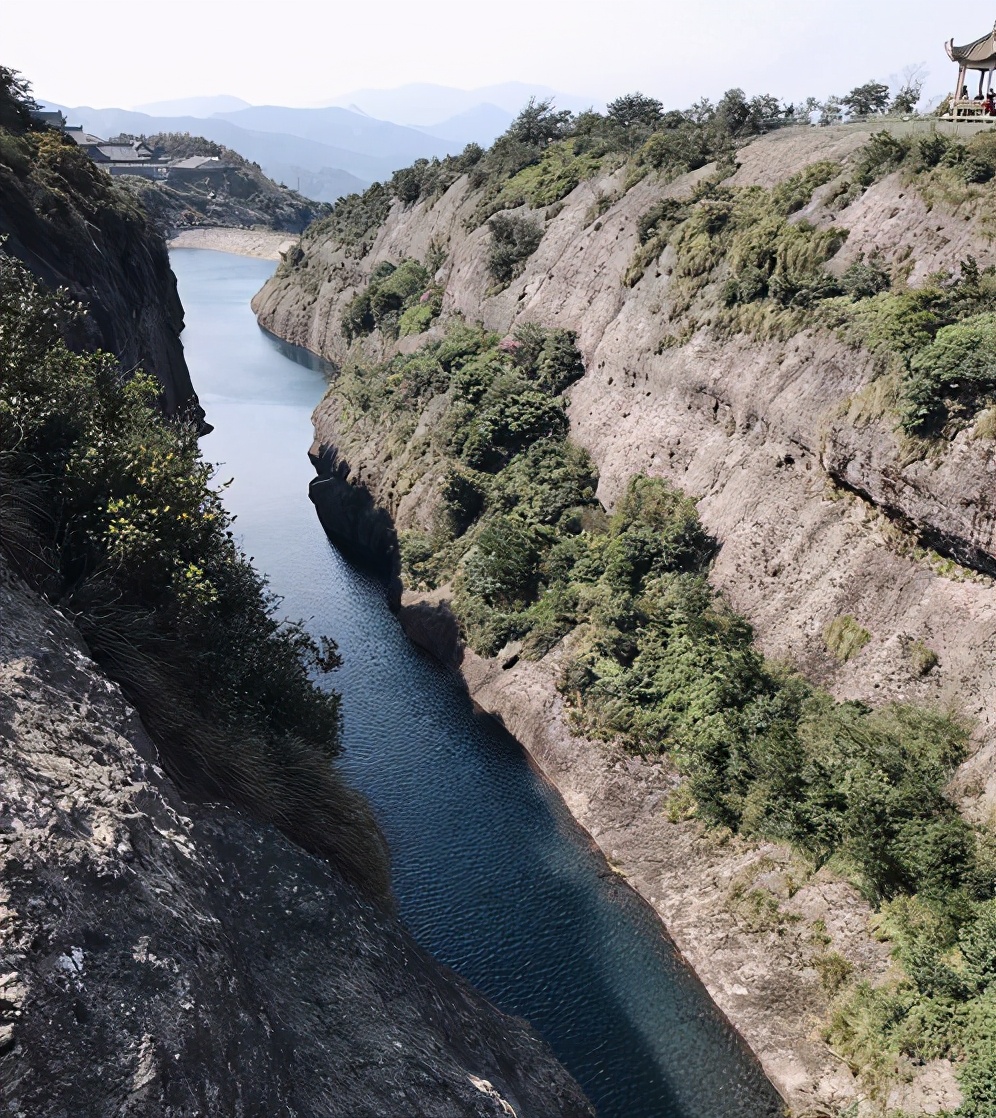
{"x":989,"y":105}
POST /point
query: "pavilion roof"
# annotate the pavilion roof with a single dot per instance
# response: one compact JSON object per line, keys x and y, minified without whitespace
{"x":980,"y":55}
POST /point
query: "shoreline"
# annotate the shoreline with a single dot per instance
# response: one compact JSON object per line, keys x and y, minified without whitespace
{"x":264,"y":244}
{"x":681,"y":870}
{"x":759,"y":965}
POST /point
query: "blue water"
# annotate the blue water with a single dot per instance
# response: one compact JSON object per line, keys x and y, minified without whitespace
{"x":491,"y":873}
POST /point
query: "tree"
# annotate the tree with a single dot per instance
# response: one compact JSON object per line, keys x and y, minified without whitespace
{"x":539,"y":123}
{"x":16,"y":102}
{"x":831,"y":111}
{"x":635,"y":108}
{"x":743,"y":117}
{"x":911,"y":83}
{"x":869,"y":99}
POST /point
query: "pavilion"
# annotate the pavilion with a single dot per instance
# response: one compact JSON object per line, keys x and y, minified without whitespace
{"x":977,"y":57}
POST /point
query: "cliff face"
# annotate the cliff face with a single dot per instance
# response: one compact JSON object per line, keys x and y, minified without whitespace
{"x":75,"y":228}
{"x":162,"y":958}
{"x":821,"y":508}
{"x":817,"y":504}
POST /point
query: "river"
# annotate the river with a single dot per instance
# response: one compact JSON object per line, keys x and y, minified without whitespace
{"x":491,"y":873}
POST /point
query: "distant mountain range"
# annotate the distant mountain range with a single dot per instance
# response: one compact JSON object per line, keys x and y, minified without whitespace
{"x":425,"y":105}
{"x":335,"y":150}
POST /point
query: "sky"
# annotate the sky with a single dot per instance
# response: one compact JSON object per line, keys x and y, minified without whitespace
{"x":293,"y":52}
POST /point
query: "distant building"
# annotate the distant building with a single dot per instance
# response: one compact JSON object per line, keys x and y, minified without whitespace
{"x":136,"y":157}
{"x":48,"y":119}
{"x":133,"y":157}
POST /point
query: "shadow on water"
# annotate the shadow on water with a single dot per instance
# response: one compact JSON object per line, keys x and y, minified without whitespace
{"x":492,"y":873}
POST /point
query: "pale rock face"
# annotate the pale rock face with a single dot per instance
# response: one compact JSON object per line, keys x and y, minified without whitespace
{"x":818,"y":513}
{"x":803,"y":491}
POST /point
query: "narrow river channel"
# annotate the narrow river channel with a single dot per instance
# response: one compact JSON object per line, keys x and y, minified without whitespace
{"x":491,"y":873}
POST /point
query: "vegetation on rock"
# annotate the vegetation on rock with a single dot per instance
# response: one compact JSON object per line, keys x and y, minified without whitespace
{"x":653,"y":658}
{"x":109,"y":510}
{"x":398,"y":300}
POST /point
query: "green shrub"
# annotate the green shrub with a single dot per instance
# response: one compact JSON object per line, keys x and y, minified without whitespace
{"x":392,"y":293}
{"x":865,"y":278}
{"x":845,"y":638}
{"x":922,"y":658}
{"x":125,"y":534}
{"x":354,"y":218}
{"x":957,"y":367}
{"x":503,"y":566}
{"x":513,"y":240}
{"x":417,"y":319}
{"x":834,"y":970}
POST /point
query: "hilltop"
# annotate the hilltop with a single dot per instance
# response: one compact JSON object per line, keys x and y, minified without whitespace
{"x":237,"y":195}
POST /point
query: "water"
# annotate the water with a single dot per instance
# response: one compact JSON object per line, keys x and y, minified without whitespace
{"x":491,"y":873}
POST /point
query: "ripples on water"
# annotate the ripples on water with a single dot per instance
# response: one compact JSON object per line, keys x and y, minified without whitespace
{"x":492,"y":874}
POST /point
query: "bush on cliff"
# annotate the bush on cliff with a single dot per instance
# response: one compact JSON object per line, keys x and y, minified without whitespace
{"x":109,"y":510}
{"x":397,"y":300}
{"x":513,"y":240}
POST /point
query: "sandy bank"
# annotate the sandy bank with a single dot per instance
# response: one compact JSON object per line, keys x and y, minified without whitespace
{"x":264,"y":243}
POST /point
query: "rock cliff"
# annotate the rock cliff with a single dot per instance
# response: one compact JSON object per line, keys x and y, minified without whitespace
{"x":167,"y":958}
{"x":75,"y":228}
{"x":814,"y":498}
{"x":820,"y":508}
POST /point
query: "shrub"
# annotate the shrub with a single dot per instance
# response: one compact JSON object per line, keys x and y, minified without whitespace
{"x":513,"y":240}
{"x":922,"y":658}
{"x":845,"y":638}
{"x":959,"y":365}
{"x":353,"y":218}
{"x":393,"y":292}
{"x":863,"y":279}
{"x":834,"y":970}
{"x":128,"y":538}
{"x":502,"y":568}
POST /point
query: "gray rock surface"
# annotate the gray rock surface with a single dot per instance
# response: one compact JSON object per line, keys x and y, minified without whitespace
{"x":165,"y":959}
{"x":819,"y":509}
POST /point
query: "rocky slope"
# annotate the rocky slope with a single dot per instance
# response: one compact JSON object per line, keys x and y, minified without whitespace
{"x":163,"y":958}
{"x":802,"y":483}
{"x":820,"y":509}
{"x":75,"y":228}
{"x":240,"y":197}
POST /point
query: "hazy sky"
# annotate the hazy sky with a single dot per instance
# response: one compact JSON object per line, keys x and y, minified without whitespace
{"x":300,"y":53}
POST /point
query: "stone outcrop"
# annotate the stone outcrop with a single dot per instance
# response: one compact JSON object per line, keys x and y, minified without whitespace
{"x":161,"y":958}
{"x":799,"y":471}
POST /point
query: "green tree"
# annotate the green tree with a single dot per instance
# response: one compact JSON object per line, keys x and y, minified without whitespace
{"x":635,"y":108}
{"x":869,"y":99}
{"x":16,"y":102}
{"x":539,"y":123}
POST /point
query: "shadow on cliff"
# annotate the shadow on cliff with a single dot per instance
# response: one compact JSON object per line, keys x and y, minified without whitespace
{"x":362,"y":531}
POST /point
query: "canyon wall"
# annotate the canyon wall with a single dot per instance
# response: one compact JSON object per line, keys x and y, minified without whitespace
{"x":819,"y":506}
{"x":74,"y":228}
{"x":810,"y":491}
{"x":167,"y":958}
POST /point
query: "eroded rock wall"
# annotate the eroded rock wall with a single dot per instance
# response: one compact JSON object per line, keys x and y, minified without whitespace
{"x":817,"y":505}
{"x":165,"y":959}
{"x":86,"y":236}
